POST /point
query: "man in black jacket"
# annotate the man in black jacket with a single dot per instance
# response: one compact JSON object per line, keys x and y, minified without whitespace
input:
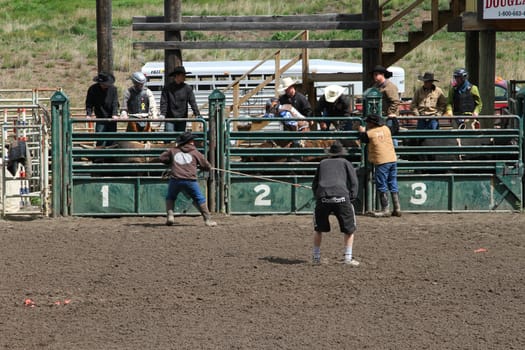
{"x":335,"y":186}
{"x":174,"y":101}
{"x":102,"y":100}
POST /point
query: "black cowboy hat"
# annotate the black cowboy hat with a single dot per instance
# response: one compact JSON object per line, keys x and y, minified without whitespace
{"x":382,"y":70}
{"x":427,"y":77}
{"x":336,"y":150}
{"x":375,"y":119}
{"x":105,"y":78}
{"x":178,"y":70}
{"x":185,"y":138}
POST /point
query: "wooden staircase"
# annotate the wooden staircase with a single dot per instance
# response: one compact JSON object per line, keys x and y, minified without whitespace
{"x":438,"y":19}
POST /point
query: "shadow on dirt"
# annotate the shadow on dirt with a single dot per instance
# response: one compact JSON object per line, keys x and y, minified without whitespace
{"x":282,"y":261}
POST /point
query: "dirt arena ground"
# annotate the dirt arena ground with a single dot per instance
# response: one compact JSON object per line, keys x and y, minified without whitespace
{"x":134,"y":283}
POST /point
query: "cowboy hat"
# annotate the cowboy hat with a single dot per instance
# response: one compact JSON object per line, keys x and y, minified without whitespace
{"x":178,"y":70}
{"x":336,"y":149}
{"x":332,"y":93}
{"x":375,"y":119}
{"x":286,"y":83}
{"x":427,"y":77}
{"x":105,"y":78}
{"x":382,"y":70}
{"x":185,"y":138}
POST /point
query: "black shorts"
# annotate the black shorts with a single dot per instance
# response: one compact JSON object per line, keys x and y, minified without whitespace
{"x":343,"y":211}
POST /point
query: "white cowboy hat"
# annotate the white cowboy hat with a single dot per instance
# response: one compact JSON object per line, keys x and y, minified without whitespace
{"x":332,"y":93}
{"x":286,"y":83}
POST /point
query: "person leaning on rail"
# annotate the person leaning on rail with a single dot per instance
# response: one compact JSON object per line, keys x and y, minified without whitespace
{"x":174,"y":101}
{"x":138,"y":102}
{"x":428,"y":101}
{"x":102,"y":100}
{"x":333,"y":103}
{"x":463,"y":99}
{"x":382,"y":154}
{"x":290,"y":96}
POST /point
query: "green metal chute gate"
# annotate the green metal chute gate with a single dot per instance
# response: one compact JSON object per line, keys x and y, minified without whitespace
{"x":264,"y":178}
{"x":481,"y":172}
{"x":125,"y":180}
{"x":275,"y":180}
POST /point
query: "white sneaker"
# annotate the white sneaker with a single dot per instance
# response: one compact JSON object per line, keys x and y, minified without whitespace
{"x":352,"y":262}
{"x":170,"y":220}
{"x":210,"y":223}
{"x":316,"y":260}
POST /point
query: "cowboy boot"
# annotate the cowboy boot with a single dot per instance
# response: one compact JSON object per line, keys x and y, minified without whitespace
{"x":397,"y":206}
{"x":170,"y":219}
{"x":383,"y":201}
{"x":203,"y":208}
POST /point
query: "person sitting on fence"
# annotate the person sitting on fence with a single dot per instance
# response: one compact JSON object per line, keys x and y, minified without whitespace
{"x":138,"y":103}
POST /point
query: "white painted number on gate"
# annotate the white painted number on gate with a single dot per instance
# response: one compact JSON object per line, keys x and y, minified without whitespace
{"x":420,"y":193}
{"x":105,"y":196}
{"x":265,"y":191}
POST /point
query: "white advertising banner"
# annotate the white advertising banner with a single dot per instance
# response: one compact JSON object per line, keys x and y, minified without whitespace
{"x":503,"y":9}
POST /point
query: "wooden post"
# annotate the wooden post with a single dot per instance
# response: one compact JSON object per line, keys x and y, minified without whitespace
{"x":172,"y":57}
{"x":487,"y":62}
{"x":308,"y":85}
{"x":104,"y":38}
{"x":472,"y":56}
{"x":371,"y":56}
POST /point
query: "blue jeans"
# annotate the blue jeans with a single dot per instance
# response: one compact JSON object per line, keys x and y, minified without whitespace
{"x":386,"y":177}
{"x":428,"y":124}
{"x":105,"y":127}
{"x":175,"y":126}
{"x":189,"y":187}
{"x":390,"y":123}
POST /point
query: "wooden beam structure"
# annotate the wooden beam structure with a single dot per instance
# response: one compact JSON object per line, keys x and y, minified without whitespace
{"x":281,"y":44}
{"x":261,"y":26}
{"x":328,"y":17}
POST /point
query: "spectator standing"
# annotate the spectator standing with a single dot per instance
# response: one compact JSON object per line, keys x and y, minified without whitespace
{"x":463,"y":98}
{"x":184,"y":161}
{"x":335,"y":186}
{"x":382,"y":154}
{"x":390,"y":95}
{"x":174,"y":101}
{"x":102,"y":100}
{"x":333,"y":103}
{"x":138,"y":101}
{"x":428,"y":101}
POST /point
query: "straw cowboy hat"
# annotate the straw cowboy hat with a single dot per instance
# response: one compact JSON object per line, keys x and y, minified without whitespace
{"x":286,"y":83}
{"x":185,"y":138}
{"x":375,"y":119}
{"x":427,"y":77}
{"x":336,"y":150}
{"x":382,"y":70}
{"x":332,"y":93}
